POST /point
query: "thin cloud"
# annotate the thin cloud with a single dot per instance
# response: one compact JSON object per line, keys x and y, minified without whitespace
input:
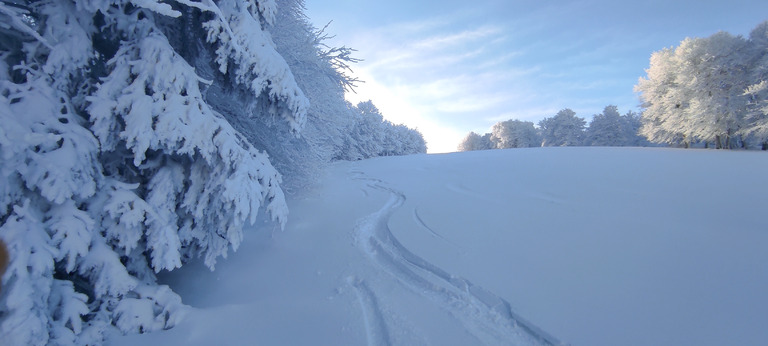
{"x":453,"y":39}
{"x":426,"y":50}
{"x":500,"y":60}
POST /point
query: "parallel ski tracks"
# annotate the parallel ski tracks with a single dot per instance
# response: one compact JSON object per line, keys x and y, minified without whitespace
{"x":485,"y":315}
{"x":375,"y":326}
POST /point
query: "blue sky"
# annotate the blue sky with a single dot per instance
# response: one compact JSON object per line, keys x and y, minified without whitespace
{"x":449,"y":67}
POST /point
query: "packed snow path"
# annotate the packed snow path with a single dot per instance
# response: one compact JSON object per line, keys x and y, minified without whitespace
{"x":486,"y":316}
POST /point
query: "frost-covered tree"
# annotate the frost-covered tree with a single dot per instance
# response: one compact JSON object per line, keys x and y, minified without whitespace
{"x":117,"y":157}
{"x":706,"y":90}
{"x":474,"y":141}
{"x":614,"y":130}
{"x":367,"y":132}
{"x":411,"y":140}
{"x":606,"y":129}
{"x":371,"y":136}
{"x":757,"y":114}
{"x":515,"y":134}
{"x":631,"y":122}
{"x":321,"y":72}
{"x":664,"y":102}
{"x":563,"y":129}
{"x":714,"y":73}
{"x":756,"y":93}
{"x":398,"y":140}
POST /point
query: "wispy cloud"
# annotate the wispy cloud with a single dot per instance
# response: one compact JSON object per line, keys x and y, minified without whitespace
{"x":454,"y":39}
{"x":396,"y":48}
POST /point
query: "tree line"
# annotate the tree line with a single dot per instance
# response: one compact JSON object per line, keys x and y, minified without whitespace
{"x":608,"y":128}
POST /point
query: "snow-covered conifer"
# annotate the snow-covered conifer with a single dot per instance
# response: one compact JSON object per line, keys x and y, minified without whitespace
{"x":116,"y":166}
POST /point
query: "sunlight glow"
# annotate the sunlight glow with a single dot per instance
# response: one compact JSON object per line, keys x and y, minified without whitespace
{"x":396,"y":108}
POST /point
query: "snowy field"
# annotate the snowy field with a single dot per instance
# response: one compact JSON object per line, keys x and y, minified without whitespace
{"x":580,"y":246}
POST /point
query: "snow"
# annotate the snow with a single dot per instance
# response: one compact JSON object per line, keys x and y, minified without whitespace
{"x":584,"y":246}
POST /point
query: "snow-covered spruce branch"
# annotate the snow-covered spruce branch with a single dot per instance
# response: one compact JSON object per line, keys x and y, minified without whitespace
{"x":157,"y":7}
{"x":106,"y":181}
{"x":14,"y":20}
{"x":151,"y":102}
{"x":243,"y":40}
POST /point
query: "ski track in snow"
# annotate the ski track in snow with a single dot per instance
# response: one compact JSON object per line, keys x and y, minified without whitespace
{"x":462,"y":190}
{"x":420,"y":221}
{"x":375,"y":327}
{"x":486,"y":316}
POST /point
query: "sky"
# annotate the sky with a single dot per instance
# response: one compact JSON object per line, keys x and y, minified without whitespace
{"x":449,"y":67}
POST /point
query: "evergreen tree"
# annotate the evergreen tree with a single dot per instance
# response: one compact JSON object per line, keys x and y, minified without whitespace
{"x":123,"y":163}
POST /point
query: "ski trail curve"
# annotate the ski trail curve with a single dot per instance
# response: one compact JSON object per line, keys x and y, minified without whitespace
{"x":486,"y":316}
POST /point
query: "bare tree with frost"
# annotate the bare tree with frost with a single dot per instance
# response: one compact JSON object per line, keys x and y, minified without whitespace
{"x":707,"y":90}
{"x":757,"y":92}
{"x":563,"y":129}
{"x":370,"y":135}
{"x":474,"y":141}
{"x":606,"y":129}
{"x":515,"y":134}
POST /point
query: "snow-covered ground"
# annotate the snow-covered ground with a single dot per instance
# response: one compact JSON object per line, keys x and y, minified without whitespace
{"x":581,"y":246}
